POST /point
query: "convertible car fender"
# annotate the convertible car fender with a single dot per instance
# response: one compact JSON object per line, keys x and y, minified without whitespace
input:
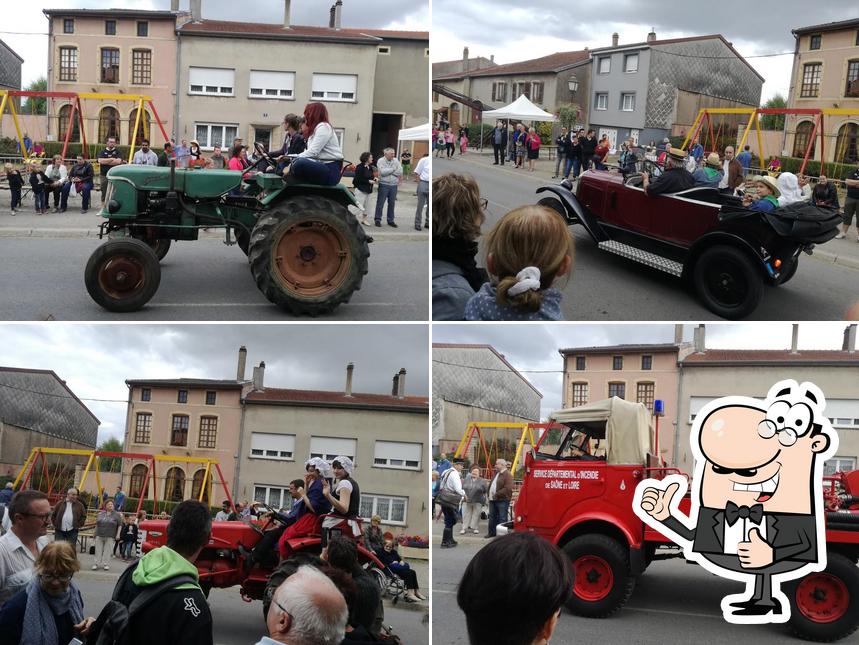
{"x":759,"y":255}
{"x":574,"y":208}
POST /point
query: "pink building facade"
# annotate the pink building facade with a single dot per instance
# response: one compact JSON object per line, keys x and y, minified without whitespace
{"x":113,"y":51}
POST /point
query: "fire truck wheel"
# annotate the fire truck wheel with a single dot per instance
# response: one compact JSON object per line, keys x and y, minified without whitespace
{"x":602,"y":583}
{"x":824,"y":606}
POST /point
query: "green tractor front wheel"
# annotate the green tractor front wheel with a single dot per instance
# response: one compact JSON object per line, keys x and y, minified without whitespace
{"x":308,"y":255}
{"x":122,"y":275}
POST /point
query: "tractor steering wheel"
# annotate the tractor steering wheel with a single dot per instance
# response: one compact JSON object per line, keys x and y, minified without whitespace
{"x":261,"y":151}
{"x":272,"y":519}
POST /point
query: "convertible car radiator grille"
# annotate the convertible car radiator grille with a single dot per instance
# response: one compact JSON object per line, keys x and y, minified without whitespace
{"x":644,"y":257}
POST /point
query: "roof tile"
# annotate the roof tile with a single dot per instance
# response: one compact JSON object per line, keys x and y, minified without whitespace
{"x":772,"y":356}
{"x":358,"y":399}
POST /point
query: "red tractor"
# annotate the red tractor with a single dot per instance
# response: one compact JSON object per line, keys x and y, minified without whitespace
{"x":577,"y":492}
{"x":222,"y":563}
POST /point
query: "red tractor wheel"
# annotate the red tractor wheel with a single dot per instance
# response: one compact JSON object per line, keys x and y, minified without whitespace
{"x":602,"y":581}
{"x":825,"y":604}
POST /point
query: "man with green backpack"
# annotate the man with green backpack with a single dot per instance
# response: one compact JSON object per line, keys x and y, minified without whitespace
{"x":159,"y":599}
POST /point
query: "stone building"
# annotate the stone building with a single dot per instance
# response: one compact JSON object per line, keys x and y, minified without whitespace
{"x":39,"y":410}
{"x":476,"y":383}
{"x":385,"y":435}
{"x":10,"y":68}
{"x":642,"y":90}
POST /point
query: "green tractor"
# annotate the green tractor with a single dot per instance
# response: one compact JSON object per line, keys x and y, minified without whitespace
{"x":306,"y":251}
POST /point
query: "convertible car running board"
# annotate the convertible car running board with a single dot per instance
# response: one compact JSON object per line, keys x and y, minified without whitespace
{"x":643,"y":257}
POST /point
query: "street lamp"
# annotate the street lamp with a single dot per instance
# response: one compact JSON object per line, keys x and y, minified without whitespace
{"x":573,"y":84}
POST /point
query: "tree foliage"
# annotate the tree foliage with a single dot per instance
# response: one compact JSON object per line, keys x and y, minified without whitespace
{"x":37,"y":104}
{"x":774,"y":121}
{"x":111,"y":464}
{"x":568,"y":115}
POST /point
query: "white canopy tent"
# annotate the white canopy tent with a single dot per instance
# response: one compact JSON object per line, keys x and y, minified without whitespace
{"x":521,"y":109}
{"x":417,"y":133}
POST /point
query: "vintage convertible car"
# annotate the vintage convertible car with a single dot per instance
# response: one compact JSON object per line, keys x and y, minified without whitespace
{"x":707,"y":238}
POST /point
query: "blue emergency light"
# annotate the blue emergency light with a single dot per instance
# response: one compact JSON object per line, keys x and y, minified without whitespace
{"x":659,"y":408}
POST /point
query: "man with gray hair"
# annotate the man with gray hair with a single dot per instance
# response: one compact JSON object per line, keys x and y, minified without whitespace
{"x":390,"y":172}
{"x":307,"y":609}
{"x":500,"y":493}
{"x":68,"y":517}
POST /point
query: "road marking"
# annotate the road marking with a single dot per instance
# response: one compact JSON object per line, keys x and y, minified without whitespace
{"x":266,"y":305}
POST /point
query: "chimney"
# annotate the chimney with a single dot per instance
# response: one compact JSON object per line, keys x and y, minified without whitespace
{"x":849,"y":338}
{"x":491,"y":58}
{"x":651,"y":36}
{"x":259,"y":374}
{"x":349,"y":368}
{"x":678,"y":334}
{"x":465,"y":59}
{"x":286,"y":4}
{"x":331,"y":17}
{"x":794,"y":341}
{"x":615,"y":39}
{"x":401,"y":383}
{"x":700,"y":347}
{"x":174,"y":5}
{"x":395,"y":384}
{"x":338,"y":10}
{"x":243,"y":359}
{"x":196,"y":10}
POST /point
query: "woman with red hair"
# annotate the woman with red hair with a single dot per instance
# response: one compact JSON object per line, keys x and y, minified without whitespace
{"x":322,"y":161}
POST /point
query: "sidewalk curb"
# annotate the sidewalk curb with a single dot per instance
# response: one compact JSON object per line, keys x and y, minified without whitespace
{"x":819,"y":255}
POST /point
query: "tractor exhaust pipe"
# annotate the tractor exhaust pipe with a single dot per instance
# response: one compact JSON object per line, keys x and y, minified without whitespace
{"x":172,"y":175}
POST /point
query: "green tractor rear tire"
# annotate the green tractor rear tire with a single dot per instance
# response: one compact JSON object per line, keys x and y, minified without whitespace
{"x":122,"y":275}
{"x":308,"y":255}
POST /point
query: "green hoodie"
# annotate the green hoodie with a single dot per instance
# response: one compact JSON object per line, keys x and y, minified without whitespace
{"x":160,"y":564}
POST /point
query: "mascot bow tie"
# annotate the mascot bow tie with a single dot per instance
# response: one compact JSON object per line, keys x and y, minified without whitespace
{"x":734,"y":512}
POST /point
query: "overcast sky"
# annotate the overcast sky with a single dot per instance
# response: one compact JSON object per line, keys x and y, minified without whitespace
{"x":95,"y":360}
{"x":513,"y":31}
{"x":533,"y":349}
{"x":381,"y":14}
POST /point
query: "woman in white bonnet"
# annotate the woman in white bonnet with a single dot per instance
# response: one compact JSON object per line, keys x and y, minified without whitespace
{"x":314,"y":498}
{"x":345,"y":498}
{"x":790,"y":191}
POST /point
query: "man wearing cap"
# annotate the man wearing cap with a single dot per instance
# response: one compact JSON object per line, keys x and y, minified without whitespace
{"x":767,"y":195}
{"x":674,"y":178}
{"x":710,"y":175}
{"x":732,"y":171}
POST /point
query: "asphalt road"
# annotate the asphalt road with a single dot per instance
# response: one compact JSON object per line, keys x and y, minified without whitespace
{"x":203,"y":280}
{"x":236,"y":622}
{"x":607,"y":287}
{"x":673,"y":603}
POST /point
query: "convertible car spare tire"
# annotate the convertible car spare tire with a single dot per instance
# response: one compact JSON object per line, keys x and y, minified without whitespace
{"x":602,"y":582}
{"x":122,"y":275}
{"x":554,"y":204}
{"x":308,"y":255}
{"x":728,"y":282}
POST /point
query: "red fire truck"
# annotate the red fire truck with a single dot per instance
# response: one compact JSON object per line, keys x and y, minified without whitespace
{"x":577,"y":491}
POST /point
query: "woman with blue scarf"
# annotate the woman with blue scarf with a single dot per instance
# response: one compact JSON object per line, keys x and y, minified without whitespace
{"x":50,"y":610}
